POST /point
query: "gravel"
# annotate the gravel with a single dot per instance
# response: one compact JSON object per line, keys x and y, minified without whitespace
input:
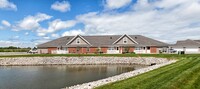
{"x":80,"y":60}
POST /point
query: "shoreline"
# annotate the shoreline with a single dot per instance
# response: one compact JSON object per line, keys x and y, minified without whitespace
{"x":123,"y":76}
{"x":91,"y":60}
{"x":25,"y":61}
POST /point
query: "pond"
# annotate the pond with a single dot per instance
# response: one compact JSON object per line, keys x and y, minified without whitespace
{"x":57,"y":76}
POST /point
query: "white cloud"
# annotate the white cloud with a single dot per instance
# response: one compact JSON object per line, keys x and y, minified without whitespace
{"x":5,"y":23}
{"x":4,"y":43}
{"x":16,"y":37}
{"x":27,"y":33}
{"x":115,"y":4}
{"x":46,"y":37}
{"x":63,"y":6}
{"x":73,"y":32}
{"x":177,"y":21}
{"x":41,"y":33}
{"x":59,"y":24}
{"x":32,"y":22}
{"x":5,"y":4}
{"x":40,"y":41}
{"x":55,"y":35}
{"x":1,"y":27}
{"x":56,"y":25}
{"x":8,"y":43}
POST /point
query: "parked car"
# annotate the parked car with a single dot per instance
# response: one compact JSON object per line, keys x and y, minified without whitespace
{"x":33,"y":51}
{"x":172,"y":51}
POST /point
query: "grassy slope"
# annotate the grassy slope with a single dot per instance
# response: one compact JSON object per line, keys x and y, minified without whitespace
{"x":184,"y":74}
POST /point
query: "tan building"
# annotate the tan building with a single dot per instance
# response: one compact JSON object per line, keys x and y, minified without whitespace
{"x":188,"y":46}
{"x":108,"y":44}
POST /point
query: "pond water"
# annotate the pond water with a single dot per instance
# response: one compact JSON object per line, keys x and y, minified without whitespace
{"x":57,"y":76}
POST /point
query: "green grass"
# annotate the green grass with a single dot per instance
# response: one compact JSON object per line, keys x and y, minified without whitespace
{"x":15,"y":50}
{"x":184,"y":74}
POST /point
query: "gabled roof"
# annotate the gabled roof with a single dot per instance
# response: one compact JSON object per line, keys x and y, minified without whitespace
{"x":124,"y":36}
{"x":103,"y":41}
{"x":187,"y":43}
{"x":80,"y":37}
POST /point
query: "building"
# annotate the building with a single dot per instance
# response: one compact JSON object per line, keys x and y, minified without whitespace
{"x":188,"y":46}
{"x":109,"y":44}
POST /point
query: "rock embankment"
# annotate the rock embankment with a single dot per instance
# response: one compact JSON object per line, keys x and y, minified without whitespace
{"x":123,"y":76}
{"x":80,"y":60}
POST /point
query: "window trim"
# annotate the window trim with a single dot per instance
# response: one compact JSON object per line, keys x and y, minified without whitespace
{"x":125,"y":40}
{"x":78,"y":41}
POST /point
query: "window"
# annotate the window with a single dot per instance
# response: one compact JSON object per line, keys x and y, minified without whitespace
{"x":148,"y":48}
{"x":65,"y":48}
{"x":111,"y":48}
{"x":78,"y":40}
{"x":184,"y":48}
{"x":117,"y":48}
{"x":88,"y":49}
{"x":138,"y":48}
{"x":125,"y":40}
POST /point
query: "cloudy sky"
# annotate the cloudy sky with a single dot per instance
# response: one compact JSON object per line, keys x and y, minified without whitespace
{"x":26,"y":23}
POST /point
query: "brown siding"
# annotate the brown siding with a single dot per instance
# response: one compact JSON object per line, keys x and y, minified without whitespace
{"x":72,"y":50}
{"x":153,"y":49}
{"x":104,"y":50}
{"x":93,"y":50}
{"x":131,"y":49}
{"x":83,"y":50}
{"x":50,"y":49}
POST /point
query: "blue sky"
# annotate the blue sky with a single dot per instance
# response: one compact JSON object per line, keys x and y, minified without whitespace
{"x":27,"y":23}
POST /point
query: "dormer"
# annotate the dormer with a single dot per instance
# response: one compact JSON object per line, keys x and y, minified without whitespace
{"x":125,"y":39}
{"x":78,"y":40}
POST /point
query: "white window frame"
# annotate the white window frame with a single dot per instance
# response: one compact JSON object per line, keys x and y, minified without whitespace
{"x":124,"y":40}
{"x":78,"y":41}
{"x":199,"y":49}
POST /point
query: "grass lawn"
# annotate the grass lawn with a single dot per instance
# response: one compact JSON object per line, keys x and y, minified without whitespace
{"x":184,"y":74}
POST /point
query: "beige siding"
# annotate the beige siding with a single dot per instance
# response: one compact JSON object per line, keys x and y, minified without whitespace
{"x":81,"y":41}
{"x":128,"y":41}
{"x":42,"y":51}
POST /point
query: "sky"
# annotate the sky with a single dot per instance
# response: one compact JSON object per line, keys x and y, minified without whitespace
{"x":27,"y":23}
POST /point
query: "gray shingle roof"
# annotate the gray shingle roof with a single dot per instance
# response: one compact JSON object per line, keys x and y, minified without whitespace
{"x":187,"y":43}
{"x":197,"y":41}
{"x":104,"y":41}
{"x":57,"y":42}
{"x":142,"y":40}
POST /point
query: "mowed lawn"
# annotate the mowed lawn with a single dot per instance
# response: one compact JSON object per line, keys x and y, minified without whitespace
{"x":184,"y":74}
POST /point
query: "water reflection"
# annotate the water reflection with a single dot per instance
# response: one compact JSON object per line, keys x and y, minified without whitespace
{"x":56,"y":76}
